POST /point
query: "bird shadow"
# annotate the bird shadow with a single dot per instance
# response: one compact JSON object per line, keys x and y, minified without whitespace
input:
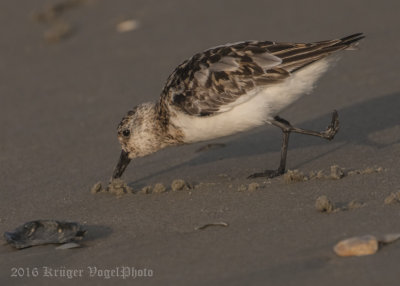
{"x":94,"y":232}
{"x":357,"y":123}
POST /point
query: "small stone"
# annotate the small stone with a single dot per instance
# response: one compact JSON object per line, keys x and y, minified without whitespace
{"x":96,"y":188}
{"x":179,"y":185}
{"x":336,"y":172}
{"x":323,"y":204}
{"x":159,"y":188}
{"x":357,"y":246}
{"x":253,"y":186}
{"x":127,"y":26}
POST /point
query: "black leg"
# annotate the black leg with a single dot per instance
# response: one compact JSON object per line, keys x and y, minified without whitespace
{"x":286,"y":127}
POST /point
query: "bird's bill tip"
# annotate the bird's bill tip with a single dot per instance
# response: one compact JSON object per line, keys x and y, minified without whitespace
{"x":123,"y":162}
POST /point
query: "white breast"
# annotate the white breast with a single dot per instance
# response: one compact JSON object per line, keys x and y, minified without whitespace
{"x":256,"y":109}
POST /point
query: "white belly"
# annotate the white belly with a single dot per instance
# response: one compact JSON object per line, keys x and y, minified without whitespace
{"x":260,"y":107}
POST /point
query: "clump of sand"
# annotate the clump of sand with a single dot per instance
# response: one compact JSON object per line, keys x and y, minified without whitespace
{"x":156,"y":189}
{"x":176,"y":185}
{"x":250,"y":187}
{"x":159,"y":188}
{"x":354,"y":205}
{"x":253,"y":186}
{"x":292,"y":176}
{"x":336,"y":173}
{"x":117,"y":187}
{"x":393,"y":198}
{"x":180,"y":185}
{"x":324,"y":204}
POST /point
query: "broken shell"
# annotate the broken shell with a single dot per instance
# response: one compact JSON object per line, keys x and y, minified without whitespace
{"x":389,"y":238}
{"x":44,"y":232}
{"x":357,"y":246}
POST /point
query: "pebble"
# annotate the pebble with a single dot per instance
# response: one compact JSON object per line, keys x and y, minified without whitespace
{"x":357,"y":246}
{"x":127,"y":26}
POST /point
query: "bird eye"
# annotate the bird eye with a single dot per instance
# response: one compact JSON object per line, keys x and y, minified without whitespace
{"x":126,"y":132}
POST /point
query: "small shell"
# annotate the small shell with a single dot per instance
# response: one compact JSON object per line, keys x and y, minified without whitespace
{"x":357,"y":246}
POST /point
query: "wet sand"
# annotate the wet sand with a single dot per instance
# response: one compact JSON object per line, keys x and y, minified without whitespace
{"x":61,"y":101}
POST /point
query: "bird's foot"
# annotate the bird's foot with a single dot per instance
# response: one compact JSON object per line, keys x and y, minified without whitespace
{"x":333,"y":128}
{"x":267,"y":174}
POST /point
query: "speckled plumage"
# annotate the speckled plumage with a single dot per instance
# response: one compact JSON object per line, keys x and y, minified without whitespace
{"x":227,"y":89}
{"x":206,"y":82}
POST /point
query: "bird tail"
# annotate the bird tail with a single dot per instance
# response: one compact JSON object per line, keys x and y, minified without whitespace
{"x":304,"y":54}
{"x":351,"y":42}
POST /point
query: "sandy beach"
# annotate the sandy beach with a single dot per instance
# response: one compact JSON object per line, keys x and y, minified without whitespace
{"x":68,"y":75}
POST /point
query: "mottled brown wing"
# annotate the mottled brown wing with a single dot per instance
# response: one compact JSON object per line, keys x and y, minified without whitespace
{"x":213,"y":81}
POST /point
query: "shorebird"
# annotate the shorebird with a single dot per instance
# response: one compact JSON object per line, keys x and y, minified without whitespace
{"x":229,"y":89}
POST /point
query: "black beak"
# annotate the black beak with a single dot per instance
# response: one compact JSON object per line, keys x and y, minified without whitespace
{"x":122,"y":164}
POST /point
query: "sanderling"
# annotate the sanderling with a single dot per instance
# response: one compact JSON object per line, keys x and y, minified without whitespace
{"x":230,"y":89}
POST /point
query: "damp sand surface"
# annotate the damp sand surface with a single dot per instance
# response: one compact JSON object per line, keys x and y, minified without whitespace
{"x":68,"y":79}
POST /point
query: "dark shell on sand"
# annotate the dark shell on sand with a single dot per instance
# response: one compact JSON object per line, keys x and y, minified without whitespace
{"x":40,"y":232}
